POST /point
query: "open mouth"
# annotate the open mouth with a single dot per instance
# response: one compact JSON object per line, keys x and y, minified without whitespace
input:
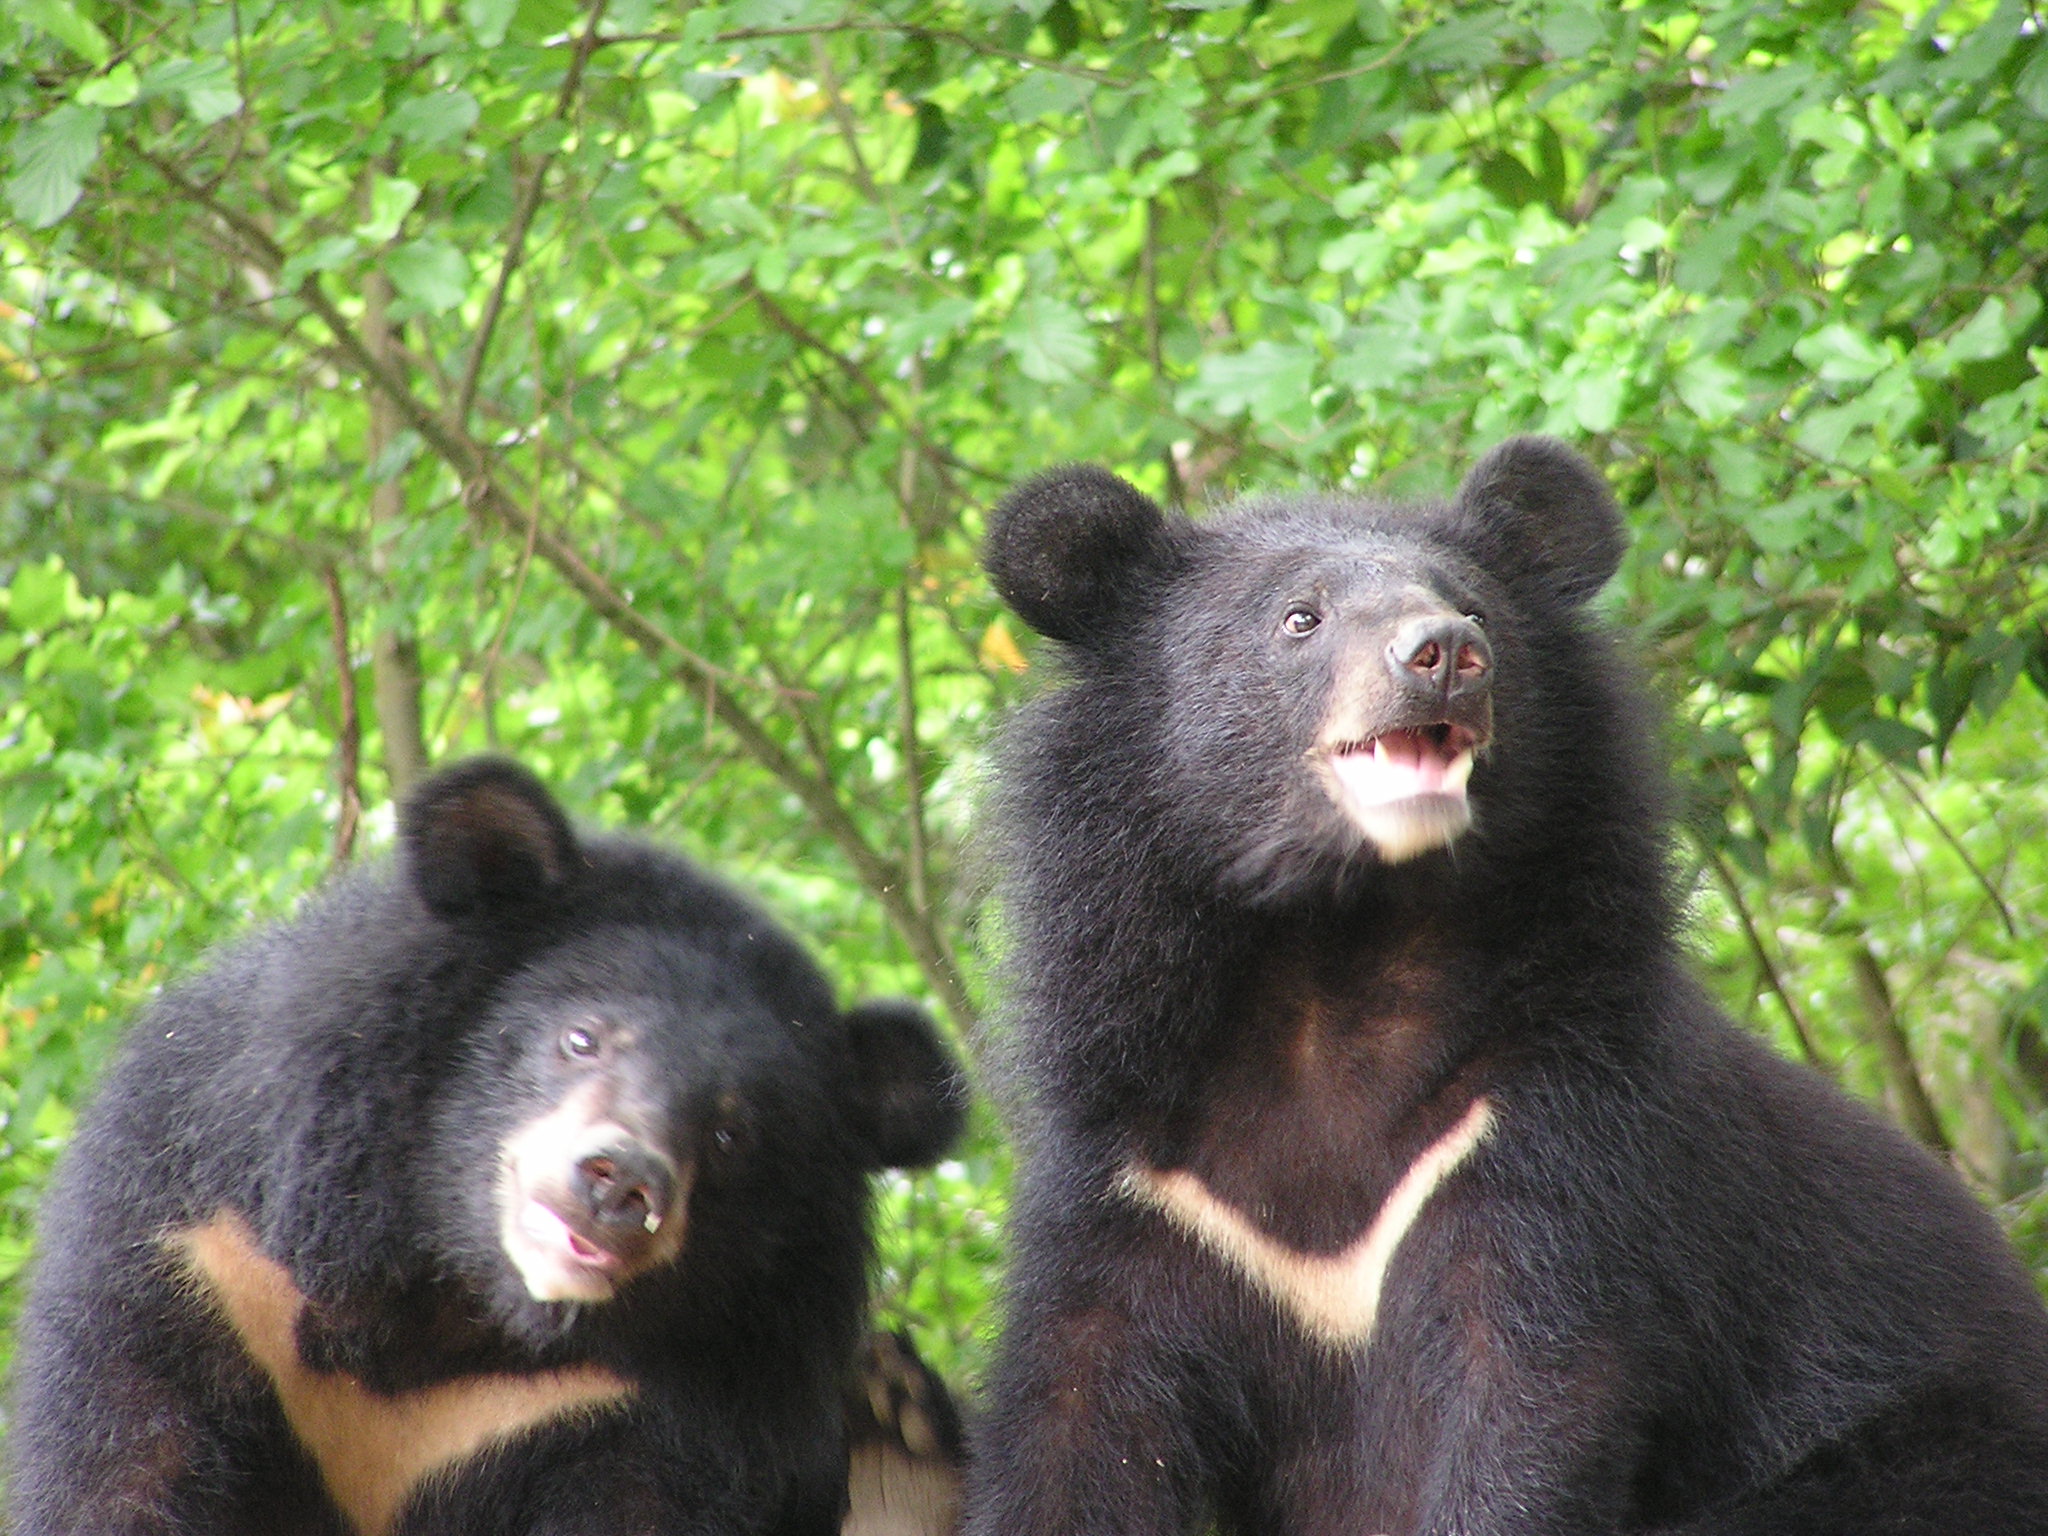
{"x":1404,"y":789}
{"x":1398,"y":765}
{"x":557,"y":1261}
{"x":549,"y":1230}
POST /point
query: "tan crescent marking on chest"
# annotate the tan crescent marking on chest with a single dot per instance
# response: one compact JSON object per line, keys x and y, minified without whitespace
{"x":1335,"y":1299}
{"x":372,"y":1450}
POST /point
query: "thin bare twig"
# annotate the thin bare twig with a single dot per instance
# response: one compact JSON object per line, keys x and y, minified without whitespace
{"x":1895,"y":1051}
{"x":522,"y":220}
{"x":2005,"y":917}
{"x":1367,"y":68}
{"x":808,"y":339}
{"x":348,"y":767}
{"x":1766,"y":966}
{"x":901,"y":29}
{"x":490,"y":489}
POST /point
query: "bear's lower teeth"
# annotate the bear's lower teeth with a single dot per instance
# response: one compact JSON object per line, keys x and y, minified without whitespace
{"x":1405,"y":794}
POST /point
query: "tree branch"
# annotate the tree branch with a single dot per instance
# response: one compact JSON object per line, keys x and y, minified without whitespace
{"x":522,"y":220}
{"x":2005,"y":917}
{"x":348,"y":770}
{"x":901,"y":29}
{"x":1766,"y":966}
{"x":913,"y":759}
{"x":804,"y":337}
{"x":1894,"y":1051}
{"x":489,"y":490}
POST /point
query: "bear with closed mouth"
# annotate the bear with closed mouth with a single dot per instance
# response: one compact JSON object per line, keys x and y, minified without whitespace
{"x":1383,"y":1169}
{"x":518,"y":1185}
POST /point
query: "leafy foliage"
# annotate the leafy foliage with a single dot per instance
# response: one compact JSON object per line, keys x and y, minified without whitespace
{"x":645,"y":373}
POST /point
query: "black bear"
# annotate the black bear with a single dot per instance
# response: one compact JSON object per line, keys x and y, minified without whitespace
{"x":1384,"y":1170}
{"x":519,"y":1186}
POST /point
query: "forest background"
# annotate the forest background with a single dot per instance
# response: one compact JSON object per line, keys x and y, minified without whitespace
{"x":624,"y":386}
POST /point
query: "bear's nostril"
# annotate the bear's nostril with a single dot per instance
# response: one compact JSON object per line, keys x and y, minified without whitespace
{"x":1442,"y":655}
{"x":624,"y":1191}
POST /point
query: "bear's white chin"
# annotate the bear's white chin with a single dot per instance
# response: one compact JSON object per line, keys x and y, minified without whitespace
{"x":1405,"y":799}
{"x":1402,"y":829}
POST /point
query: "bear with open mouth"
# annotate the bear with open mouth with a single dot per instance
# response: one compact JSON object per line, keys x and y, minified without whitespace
{"x":1383,"y":1168}
{"x":518,"y":1185}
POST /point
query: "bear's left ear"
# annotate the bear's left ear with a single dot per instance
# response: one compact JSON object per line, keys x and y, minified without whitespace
{"x":1067,"y":548}
{"x":910,"y":1099}
{"x":484,"y":834}
{"x":1546,"y":511}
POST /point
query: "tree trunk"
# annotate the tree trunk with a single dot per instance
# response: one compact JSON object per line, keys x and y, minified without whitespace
{"x":394,"y":652}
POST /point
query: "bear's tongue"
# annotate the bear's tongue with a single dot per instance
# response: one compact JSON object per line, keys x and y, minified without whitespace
{"x":549,"y":1230}
{"x":1401,"y":765}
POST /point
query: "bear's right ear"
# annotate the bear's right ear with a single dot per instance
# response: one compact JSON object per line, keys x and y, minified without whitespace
{"x":910,"y":1100}
{"x":1067,"y":546}
{"x":483,"y":834}
{"x":1544,"y":510}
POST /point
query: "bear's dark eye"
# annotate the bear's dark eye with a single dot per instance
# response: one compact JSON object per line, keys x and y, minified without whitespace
{"x":731,"y":1139}
{"x":580,"y":1042}
{"x":1301,"y":621}
{"x":1476,"y":618}
{"x":731,"y":1131}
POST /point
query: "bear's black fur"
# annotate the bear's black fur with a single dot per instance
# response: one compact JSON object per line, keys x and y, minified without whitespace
{"x":520,"y":1186}
{"x":1385,"y":1171}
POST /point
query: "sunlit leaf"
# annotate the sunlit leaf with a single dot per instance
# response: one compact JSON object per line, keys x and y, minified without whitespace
{"x":51,"y":158}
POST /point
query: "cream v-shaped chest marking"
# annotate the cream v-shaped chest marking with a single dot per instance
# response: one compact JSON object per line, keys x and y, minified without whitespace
{"x":1335,"y":1299}
{"x":373,"y":1451}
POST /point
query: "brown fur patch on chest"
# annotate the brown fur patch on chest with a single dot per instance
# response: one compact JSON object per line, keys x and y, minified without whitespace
{"x":372,"y":1450}
{"x":1335,"y":1298}
{"x":1344,"y":1059}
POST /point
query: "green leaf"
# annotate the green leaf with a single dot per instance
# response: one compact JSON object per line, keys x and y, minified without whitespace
{"x":1050,"y":339}
{"x":1509,"y":180}
{"x":116,"y":88}
{"x":51,"y":158}
{"x":40,"y":596}
{"x":1044,"y":93}
{"x":207,"y":86}
{"x":1268,"y":379}
{"x":488,"y":20}
{"x":2031,"y":88}
{"x":397,"y":456}
{"x":1572,"y":28}
{"x":1984,"y":48}
{"x":431,"y":273}
{"x":62,"y":21}
{"x":934,"y":136}
{"x":426,"y":122}
{"x":1994,"y":329}
{"x":391,"y":199}
{"x":323,"y":255}
{"x":1156,"y":176}
{"x":1712,"y":389}
{"x":1593,"y":402}
{"x":1704,"y":255}
{"x":1840,"y":354}
{"x":910,"y":334}
{"x":1751,"y":98}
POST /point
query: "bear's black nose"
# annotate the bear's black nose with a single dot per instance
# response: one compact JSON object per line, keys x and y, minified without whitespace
{"x":626,"y":1187}
{"x":1441,"y":655}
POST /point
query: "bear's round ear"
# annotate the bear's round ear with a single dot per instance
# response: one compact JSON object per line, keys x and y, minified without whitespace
{"x":1547,"y":512}
{"x":1067,"y":546}
{"x":484,"y":834}
{"x":910,"y":1099}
